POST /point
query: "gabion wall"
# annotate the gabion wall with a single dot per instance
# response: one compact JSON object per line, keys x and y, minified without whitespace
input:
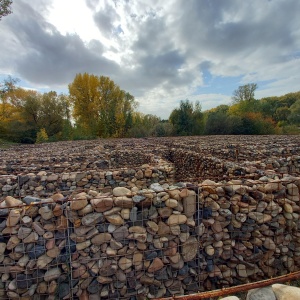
{"x":158,"y":241}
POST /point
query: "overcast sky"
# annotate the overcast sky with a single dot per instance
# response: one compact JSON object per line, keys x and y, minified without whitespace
{"x":159,"y":51}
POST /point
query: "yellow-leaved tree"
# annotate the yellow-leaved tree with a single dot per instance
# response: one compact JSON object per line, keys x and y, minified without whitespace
{"x":100,"y":107}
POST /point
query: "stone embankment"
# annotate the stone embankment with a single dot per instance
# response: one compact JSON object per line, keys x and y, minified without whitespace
{"x":158,"y":241}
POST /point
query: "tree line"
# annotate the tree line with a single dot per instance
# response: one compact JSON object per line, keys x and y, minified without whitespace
{"x":97,"y":107}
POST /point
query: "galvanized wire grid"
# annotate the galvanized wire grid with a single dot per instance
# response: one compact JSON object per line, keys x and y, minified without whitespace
{"x":70,"y":253}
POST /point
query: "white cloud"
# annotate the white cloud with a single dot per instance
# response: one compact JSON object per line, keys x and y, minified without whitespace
{"x":156,"y":51}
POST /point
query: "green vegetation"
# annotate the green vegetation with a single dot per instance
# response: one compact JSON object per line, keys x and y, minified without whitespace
{"x":97,"y":107}
{"x":5,"y":8}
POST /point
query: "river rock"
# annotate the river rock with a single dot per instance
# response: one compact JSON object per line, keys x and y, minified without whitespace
{"x":123,"y":202}
{"x":13,"y":218}
{"x":124,"y":263}
{"x":92,"y":219}
{"x":79,"y":201}
{"x":189,"y":204}
{"x":102,"y":204}
{"x":189,"y":249}
{"x":156,"y":265}
{"x":115,"y":219}
{"x":176,"y":220}
{"x":285,"y":292}
{"x":121,"y":191}
{"x":52,"y":274}
{"x":261,"y":294}
{"x":101,"y":238}
{"x":12,"y":202}
{"x":260,"y":217}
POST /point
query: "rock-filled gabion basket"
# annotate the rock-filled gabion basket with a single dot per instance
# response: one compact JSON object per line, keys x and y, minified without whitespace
{"x":159,"y":241}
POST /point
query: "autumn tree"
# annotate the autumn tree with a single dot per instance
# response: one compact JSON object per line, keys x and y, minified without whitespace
{"x":41,"y":136}
{"x":12,"y":121}
{"x":101,"y":108}
{"x":5,"y":8}
{"x":244,"y":93}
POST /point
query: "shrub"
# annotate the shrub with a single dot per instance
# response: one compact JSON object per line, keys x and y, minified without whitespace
{"x":41,"y":136}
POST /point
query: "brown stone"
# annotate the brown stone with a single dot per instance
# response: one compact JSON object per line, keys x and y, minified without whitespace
{"x":62,"y":223}
{"x":79,"y":201}
{"x":121,"y":191}
{"x":115,"y":219}
{"x":54,"y":252}
{"x":101,"y":238}
{"x":31,"y":238}
{"x":165,"y":212}
{"x":57,"y":210}
{"x":57,"y":197}
{"x":163,"y":229}
{"x":189,"y":204}
{"x":189,"y":249}
{"x":137,"y":258}
{"x":123,"y":202}
{"x":12,"y":202}
{"x":102,"y":204}
{"x":156,"y":265}
{"x":216,"y":227}
{"x":124,"y":263}
{"x":176,"y":220}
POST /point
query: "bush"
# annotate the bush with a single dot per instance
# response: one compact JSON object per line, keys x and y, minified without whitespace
{"x":41,"y":136}
{"x":27,"y":140}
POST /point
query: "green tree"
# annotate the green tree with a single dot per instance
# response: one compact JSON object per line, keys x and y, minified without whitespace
{"x":282,"y":114}
{"x":5,"y":8}
{"x":143,"y":125}
{"x":187,"y":119}
{"x":244,"y":93}
{"x":294,"y":117}
{"x":163,"y":129}
{"x":51,"y":113}
{"x":217,"y":123}
{"x":47,"y":111}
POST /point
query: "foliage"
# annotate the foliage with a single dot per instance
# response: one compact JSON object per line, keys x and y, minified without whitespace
{"x":241,"y":118}
{"x":101,"y":108}
{"x":187,"y":119}
{"x":244,"y":93}
{"x":5,"y":8}
{"x":149,"y":125}
{"x":42,"y":136}
{"x":294,"y":116}
{"x":97,"y":107}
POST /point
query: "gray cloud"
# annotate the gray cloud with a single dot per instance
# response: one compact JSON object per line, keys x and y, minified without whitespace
{"x":48,"y":57}
{"x":105,"y":20}
{"x":164,"y":49}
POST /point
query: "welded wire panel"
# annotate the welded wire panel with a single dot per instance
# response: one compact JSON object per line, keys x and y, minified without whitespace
{"x":161,"y":241}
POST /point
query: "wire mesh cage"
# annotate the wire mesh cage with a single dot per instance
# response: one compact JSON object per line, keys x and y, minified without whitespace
{"x":85,"y":226}
{"x":149,"y":243}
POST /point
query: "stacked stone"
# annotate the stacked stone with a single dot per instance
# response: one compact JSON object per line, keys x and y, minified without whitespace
{"x":153,"y":242}
{"x":190,"y":164}
{"x":44,"y":183}
{"x":194,"y":156}
{"x":136,"y":157}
